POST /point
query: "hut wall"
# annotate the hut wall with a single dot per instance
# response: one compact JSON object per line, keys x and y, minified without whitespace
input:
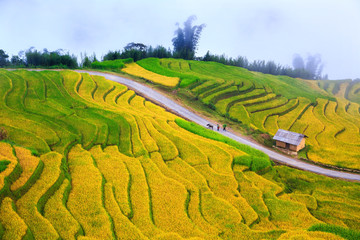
{"x":280,"y":144}
{"x":293,"y":148}
{"x":301,"y":145}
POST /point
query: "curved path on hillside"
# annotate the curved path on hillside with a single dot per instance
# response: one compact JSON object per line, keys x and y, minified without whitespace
{"x":154,"y":95}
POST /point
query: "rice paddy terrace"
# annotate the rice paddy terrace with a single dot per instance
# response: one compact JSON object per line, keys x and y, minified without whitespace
{"x":326,"y":111}
{"x":87,"y":158}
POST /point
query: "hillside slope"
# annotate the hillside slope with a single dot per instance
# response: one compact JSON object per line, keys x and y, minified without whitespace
{"x":266,"y":103}
{"x":89,"y":159}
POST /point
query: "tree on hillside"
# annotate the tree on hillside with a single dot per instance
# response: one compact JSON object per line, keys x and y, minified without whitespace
{"x":135,"y":51}
{"x":159,"y":52}
{"x":112,"y":55}
{"x":311,"y":69}
{"x":3,"y":58}
{"x":138,"y":51}
{"x":58,"y":58}
{"x":186,"y":39}
{"x":270,"y":67}
{"x":135,"y":46}
{"x":17,"y":61}
{"x":314,"y":65}
{"x":298,"y":62}
{"x":85,"y":60}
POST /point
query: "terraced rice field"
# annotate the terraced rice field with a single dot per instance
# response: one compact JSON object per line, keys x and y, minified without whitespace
{"x":89,"y":159}
{"x":326,"y":111}
{"x":347,"y":89}
{"x":136,"y":70}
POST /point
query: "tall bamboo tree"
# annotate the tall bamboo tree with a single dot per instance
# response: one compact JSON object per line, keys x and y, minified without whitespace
{"x":186,"y":39}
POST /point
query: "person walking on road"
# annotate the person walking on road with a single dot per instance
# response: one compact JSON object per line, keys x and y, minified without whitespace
{"x":218,"y":127}
{"x":224,"y":127}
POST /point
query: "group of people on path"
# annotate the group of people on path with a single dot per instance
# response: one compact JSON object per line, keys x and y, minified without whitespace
{"x":218,"y":127}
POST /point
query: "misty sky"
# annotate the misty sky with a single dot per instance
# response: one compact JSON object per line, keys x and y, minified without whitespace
{"x":257,"y":29}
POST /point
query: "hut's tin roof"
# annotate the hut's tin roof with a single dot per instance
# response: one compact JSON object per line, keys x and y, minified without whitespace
{"x":289,"y":137}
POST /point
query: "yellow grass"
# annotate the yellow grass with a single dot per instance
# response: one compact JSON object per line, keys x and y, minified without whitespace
{"x":309,"y":125}
{"x":156,"y":110}
{"x":188,"y":152}
{"x":167,"y":148}
{"x":193,"y":194}
{"x":218,"y":212}
{"x":114,"y":170}
{"x":146,"y":139}
{"x":138,"y":104}
{"x":252,"y":194}
{"x":85,"y":198}
{"x":59,"y":216}
{"x":168,"y":199}
{"x":349,"y":111}
{"x":268,"y":188}
{"x":124,"y":228}
{"x":239,"y":112}
{"x":6,"y":153}
{"x":226,"y":187}
{"x":287,"y":120}
{"x":220,"y":155}
{"x":103,"y":86}
{"x":342,"y":89}
{"x":271,"y":124}
{"x":138,"y":147}
{"x":290,"y":215}
{"x":113,"y":95}
{"x":124,"y":98}
{"x":226,"y":210}
{"x":27,"y":204}
{"x":186,"y":171}
{"x":308,"y":200}
{"x":140,"y":199}
{"x":15,"y":227}
{"x":305,"y":235}
{"x":331,"y":150}
{"x":136,"y":70}
{"x":350,"y":135}
{"x":187,"y":189}
{"x":86,"y":87}
{"x":28,"y":164}
{"x":40,"y":130}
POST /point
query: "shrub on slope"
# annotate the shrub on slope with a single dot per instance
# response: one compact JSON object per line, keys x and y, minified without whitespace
{"x":114,"y":65}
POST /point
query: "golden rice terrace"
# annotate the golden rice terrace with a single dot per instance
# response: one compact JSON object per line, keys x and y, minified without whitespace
{"x":328,"y":112}
{"x":87,"y":158}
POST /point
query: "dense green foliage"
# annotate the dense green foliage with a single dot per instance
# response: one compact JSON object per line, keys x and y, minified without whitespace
{"x":3,"y":58}
{"x":268,"y":67}
{"x":341,"y":231}
{"x":115,"y":65}
{"x":3,"y":165}
{"x":131,"y":51}
{"x":45,"y":59}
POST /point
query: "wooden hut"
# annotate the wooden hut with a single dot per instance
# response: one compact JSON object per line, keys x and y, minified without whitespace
{"x":290,"y":140}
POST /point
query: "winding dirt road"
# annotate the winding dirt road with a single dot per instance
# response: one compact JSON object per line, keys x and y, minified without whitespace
{"x":156,"y":96}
